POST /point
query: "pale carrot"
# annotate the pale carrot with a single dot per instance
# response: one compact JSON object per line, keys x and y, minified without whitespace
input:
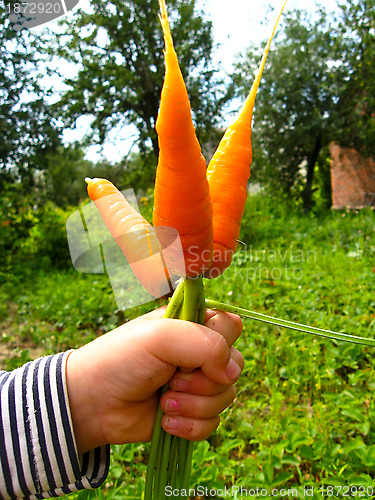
{"x":134,"y":235}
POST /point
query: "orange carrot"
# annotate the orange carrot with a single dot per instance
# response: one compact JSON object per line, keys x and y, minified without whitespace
{"x":182,"y":199}
{"x":134,"y":235}
{"x":228,"y":175}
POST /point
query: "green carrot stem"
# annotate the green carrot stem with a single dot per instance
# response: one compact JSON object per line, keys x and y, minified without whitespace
{"x":187,"y":469}
{"x":173,"y":461}
{"x":201,"y":308}
{"x":175,"y":301}
{"x":213,"y":304}
{"x":158,"y":433}
{"x":182,"y":460}
{"x":163,"y":478}
{"x":156,"y":443}
{"x":170,"y":457}
{"x":157,"y":471}
{"x":193,"y":291}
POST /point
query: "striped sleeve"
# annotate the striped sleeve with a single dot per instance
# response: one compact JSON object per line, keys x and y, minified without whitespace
{"x":38,"y":453}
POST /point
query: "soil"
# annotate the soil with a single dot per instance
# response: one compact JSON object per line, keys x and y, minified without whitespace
{"x":11,"y":346}
{"x":10,"y":350}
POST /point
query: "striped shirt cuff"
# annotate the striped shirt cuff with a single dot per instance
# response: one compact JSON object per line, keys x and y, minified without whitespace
{"x":37,"y":446}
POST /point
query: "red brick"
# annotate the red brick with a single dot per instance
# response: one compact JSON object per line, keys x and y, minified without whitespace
{"x":353,"y":178}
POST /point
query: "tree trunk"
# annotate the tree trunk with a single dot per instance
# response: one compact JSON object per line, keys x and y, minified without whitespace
{"x":308,"y":191}
{"x":155,"y":144}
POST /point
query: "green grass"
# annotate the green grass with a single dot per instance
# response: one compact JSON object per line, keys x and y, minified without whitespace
{"x":304,"y":414}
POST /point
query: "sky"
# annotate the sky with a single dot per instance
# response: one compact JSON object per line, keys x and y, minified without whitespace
{"x":236,"y":24}
{"x":248,"y":20}
{"x":244,"y":23}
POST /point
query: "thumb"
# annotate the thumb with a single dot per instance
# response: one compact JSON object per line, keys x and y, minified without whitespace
{"x":187,"y":344}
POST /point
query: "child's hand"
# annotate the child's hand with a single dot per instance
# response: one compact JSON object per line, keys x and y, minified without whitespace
{"x":113,"y":382}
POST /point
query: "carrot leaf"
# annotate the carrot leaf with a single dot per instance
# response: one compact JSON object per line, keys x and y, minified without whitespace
{"x":213,"y":304}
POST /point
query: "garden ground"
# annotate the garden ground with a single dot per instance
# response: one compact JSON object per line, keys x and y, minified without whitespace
{"x":304,"y":414}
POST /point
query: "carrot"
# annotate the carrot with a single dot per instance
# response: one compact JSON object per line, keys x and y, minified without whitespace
{"x":228,"y":174}
{"x":133,"y":234}
{"x":182,"y":199}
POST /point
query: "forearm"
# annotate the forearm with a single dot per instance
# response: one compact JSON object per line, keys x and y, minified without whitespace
{"x":37,"y":446}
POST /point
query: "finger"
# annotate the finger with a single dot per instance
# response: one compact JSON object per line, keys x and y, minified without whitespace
{"x":227,"y":324}
{"x":186,"y":370}
{"x":197,"y":382}
{"x":182,"y":343}
{"x":190,"y":405}
{"x":155,"y":314}
{"x":189,"y":428}
{"x":237,"y":356}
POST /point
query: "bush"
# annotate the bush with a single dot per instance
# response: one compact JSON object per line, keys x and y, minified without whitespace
{"x":47,"y":241}
{"x":31,"y":233}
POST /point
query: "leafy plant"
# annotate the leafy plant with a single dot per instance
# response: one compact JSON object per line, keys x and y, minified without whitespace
{"x":304,"y":412}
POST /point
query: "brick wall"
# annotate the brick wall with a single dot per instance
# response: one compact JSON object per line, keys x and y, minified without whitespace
{"x":353,"y":178}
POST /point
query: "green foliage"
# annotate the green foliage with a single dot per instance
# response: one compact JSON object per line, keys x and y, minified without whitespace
{"x":138,"y":172}
{"x":31,"y":233}
{"x":317,"y":88}
{"x":47,"y":240}
{"x":63,"y":181}
{"x":15,"y":218}
{"x":304,"y":412}
{"x":355,"y":121}
{"x":27,"y":127}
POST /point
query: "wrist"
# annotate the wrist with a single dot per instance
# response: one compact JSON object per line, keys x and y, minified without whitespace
{"x":81,"y":396}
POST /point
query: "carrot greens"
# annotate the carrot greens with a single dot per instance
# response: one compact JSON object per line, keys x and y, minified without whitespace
{"x":213,"y":304}
{"x":170,"y":457}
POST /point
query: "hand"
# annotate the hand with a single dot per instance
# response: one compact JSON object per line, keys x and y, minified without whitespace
{"x":114,"y":381}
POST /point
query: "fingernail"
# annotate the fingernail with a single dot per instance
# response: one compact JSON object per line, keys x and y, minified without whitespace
{"x":171,"y":423}
{"x":180,"y":385}
{"x":233,"y":371}
{"x":172,"y":405}
{"x":186,"y":370}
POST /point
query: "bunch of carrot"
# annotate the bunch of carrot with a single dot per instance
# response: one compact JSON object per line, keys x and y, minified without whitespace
{"x":204,"y":205}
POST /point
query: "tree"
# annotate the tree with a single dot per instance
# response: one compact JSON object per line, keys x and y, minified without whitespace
{"x":27,"y":128}
{"x":307,"y":99}
{"x":118,"y":49}
{"x":356,"y":108}
{"x":63,"y":180}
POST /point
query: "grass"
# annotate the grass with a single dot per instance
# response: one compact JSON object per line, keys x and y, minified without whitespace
{"x":304,"y":414}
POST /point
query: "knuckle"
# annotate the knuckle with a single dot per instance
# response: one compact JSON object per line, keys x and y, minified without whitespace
{"x":219,"y":348}
{"x":204,"y":430}
{"x":233,"y":392}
